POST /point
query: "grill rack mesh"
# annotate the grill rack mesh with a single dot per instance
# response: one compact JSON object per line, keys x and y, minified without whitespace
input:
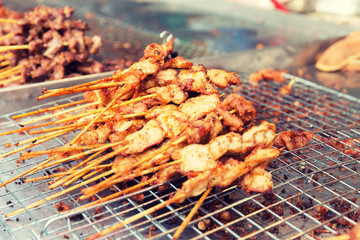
{"x":316,"y":188}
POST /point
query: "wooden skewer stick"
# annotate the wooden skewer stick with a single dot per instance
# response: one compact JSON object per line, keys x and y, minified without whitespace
{"x":13,"y":79}
{"x":49,"y":109}
{"x":74,"y":126}
{"x":133,"y":100}
{"x":5,"y":69}
{"x":96,"y":111}
{"x":96,"y":171}
{"x":112,"y":196}
{"x":96,"y":103}
{"x":79,"y":155}
{"x":5,"y":56}
{"x":21,"y":47}
{"x":101,"y":167}
{"x":13,"y":47}
{"x":69,"y":89}
{"x":45,"y":177}
{"x":4,"y":63}
{"x":46,"y":130}
{"x":36,"y":204}
{"x":27,"y":155}
{"x":85,"y":161}
{"x":64,"y":120}
{"x":135,"y":115}
{"x":93,"y":163}
{"x":137,"y":217}
{"x":60,"y":113}
{"x":292,"y":81}
{"x":68,"y":180}
{"x":8,"y":20}
{"x":78,"y":90}
{"x":11,"y":71}
{"x":129,"y":87}
{"x":34,"y":144}
{"x":33,"y":169}
{"x":32,"y":140}
{"x":139,"y":163}
{"x":88,"y":192}
{"x":191,"y":214}
{"x":9,"y":35}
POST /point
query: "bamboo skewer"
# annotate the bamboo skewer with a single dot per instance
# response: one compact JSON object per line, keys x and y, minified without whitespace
{"x":139,"y":163}
{"x":85,"y":161}
{"x":27,"y":155}
{"x":10,"y":71}
{"x":191,"y":214}
{"x":78,"y":90}
{"x":13,"y":79}
{"x":60,"y":113}
{"x":13,"y":47}
{"x":9,"y":35}
{"x":67,"y":181}
{"x":74,"y":126}
{"x":95,"y":162}
{"x":100,"y":114}
{"x":8,"y":20}
{"x":96,"y":171}
{"x":49,"y":109}
{"x":137,"y":217}
{"x":47,"y":130}
{"x":4,"y":63}
{"x":34,"y":144}
{"x":50,"y":198}
{"x":45,"y":177}
{"x":114,"y":195}
{"x":88,"y":192}
{"x":69,"y":89}
{"x":5,"y":56}
{"x":79,"y":155}
{"x":89,"y":113}
{"x":134,"y":100}
{"x":36,"y":168}
{"x":33,"y":140}
{"x":101,"y":167}
{"x":5,"y":69}
{"x":59,"y":122}
{"x":292,"y":81}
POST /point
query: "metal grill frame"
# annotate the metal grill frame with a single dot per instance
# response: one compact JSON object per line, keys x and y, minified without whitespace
{"x":318,"y":175}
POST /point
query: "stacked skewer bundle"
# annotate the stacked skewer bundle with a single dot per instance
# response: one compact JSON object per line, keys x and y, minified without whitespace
{"x":44,"y":44}
{"x":160,"y":118}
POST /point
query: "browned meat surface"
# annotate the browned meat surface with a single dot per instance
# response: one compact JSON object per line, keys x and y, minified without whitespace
{"x":293,"y":139}
{"x":170,"y":93}
{"x":50,"y":34}
{"x":244,"y":112}
{"x":222,"y":78}
{"x":195,"y":79}
{"x":150,"y":135}
{"x":178,"y":62}
{"x":200,"y":106}
{"x":257,"y":180}
{"x":266,"y":74}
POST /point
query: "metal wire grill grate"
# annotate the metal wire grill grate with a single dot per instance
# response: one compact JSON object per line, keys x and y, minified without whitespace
{"x":316,"y":188}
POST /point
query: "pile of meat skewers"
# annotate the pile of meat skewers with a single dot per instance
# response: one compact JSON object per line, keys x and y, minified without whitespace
{"x":160,"y":118}
{"x":45,"y":44}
